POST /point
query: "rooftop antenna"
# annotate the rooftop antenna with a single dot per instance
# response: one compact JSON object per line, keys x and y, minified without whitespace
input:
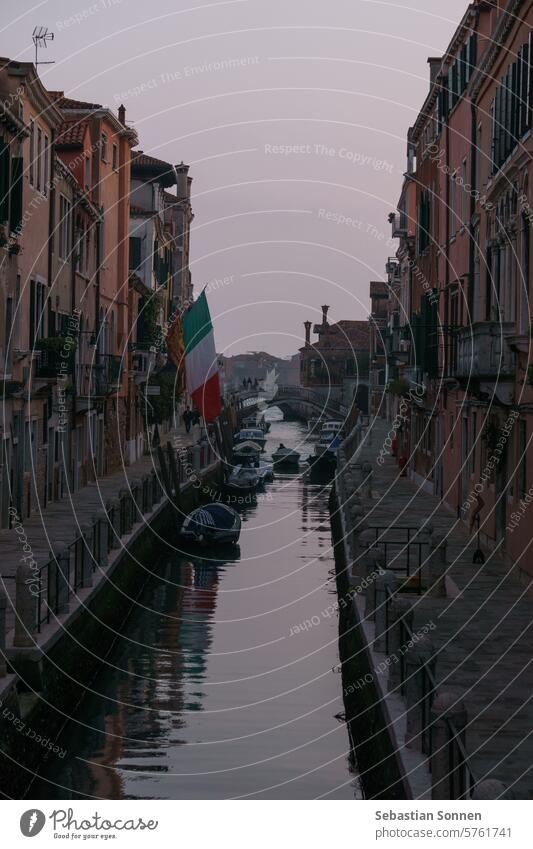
{"x":40,"y":38}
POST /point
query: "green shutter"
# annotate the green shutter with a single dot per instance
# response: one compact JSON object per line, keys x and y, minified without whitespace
{"x":15,"y":215}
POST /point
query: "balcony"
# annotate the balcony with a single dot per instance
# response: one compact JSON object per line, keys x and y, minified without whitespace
{"x":398,"y":222}
{"x":143,"y":362}
{"x":483,"y":351}
{"x":108,"y":374}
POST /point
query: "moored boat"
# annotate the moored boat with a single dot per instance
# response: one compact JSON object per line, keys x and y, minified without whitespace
{"x":286,"y":457}
{"x":211,"y":524}
{"x":243,"y":479}
{"x":251,"y":434}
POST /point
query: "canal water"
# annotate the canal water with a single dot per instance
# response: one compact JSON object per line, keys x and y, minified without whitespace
{"x":225,"y":683}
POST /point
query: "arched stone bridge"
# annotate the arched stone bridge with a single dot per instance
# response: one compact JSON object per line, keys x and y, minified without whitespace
{"x":295,"y":399}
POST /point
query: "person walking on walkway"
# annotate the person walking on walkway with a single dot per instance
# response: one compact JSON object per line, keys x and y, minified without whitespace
{"x":187,"y":420}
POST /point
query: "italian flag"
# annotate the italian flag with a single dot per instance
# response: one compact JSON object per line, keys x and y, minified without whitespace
{"x":201,"y":362}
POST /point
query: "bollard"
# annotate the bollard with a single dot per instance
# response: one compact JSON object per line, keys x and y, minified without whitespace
{"x":386,"y":584}
{"x":3,"y":607}
{"x":400,"y":621}
{"x":114,"y":530}
{"x":87,"y":557}
{"x":446,"y":779}
{"x":491,"y":788}
{"x":418,"y":688}
{"x":101,"y":520}
{"x":436,"y":564}
{"x":25,"y":606}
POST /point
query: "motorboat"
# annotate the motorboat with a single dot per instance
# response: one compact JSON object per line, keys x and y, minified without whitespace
{"x":212,"y":523}
{"x":254,"y":422}
{"x":265,"y":471}
{"x":313,"y":426}
{"x":251,"y":434}
{"x":326,"y":449}
{"x":331,"y":429}
{"x":286,"y":457}
{"x":243,"y":479}
{"x":247,"y":451}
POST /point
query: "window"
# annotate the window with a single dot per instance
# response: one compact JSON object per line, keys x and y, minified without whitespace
{"x":115,"y":157}
{"x":522,"y":470}
{"x":30,"y":446}
{"x":81,"y":256}
{"x":64,"y":227}
{"x":524,"y":275}
{"x":37,"y":312}
{"x":464,"y":195}
{"x":103,"y":147}
{"x":474,"y":437}
{"x":135,"y":253}
{"x":479,"y":146}
{"x":15,"y":194}
{"x":46,"y":165}
{"x":32,"y":153}
{"x":39,"y":157}
{"x":5,"y":181}
{"x":451,"y":210}
{"x":511,"y":115}
{"x":87,"y":172}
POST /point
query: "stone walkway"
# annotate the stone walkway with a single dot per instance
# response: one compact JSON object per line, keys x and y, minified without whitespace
{"x":484,"y":628}
{"x":61,"y":520}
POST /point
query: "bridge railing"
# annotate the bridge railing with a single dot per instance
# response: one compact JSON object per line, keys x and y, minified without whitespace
{"x":246,"y":399}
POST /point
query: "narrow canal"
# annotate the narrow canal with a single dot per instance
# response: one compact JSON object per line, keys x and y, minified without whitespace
{"x":214,"y":689}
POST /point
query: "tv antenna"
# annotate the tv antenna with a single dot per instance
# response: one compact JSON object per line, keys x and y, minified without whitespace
{"x":40,"y":38}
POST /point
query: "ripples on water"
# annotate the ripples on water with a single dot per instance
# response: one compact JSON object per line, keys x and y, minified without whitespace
{"x":208,"y":695}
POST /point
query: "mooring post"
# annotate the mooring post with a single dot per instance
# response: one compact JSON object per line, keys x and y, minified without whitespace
{"x":3,"y":608}
{"x":87,"y":556}
{"x":449,"y":724}
{"x":386,"y":586}
{"x":419,"y":674}
{"x":147,"y":493}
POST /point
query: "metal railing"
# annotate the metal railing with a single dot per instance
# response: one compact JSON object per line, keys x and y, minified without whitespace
{"x":400,"y":548}
{"x":460,"y":777}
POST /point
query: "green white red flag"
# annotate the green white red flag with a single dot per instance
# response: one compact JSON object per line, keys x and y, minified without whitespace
{"x":201,"y":362}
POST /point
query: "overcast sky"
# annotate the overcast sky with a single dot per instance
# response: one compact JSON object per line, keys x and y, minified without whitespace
{"x":293,"y":117}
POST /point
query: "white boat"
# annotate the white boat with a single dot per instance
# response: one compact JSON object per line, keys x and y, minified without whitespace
{"x":243,"y":479}
{"x":313,"y":426}
{"x":331,"y":429}
{"x":212,"y":523}
{"x":249,"y":451}
{"x":255,"y":422}
{"x":286,"y":457}
{"x":251,"y":434}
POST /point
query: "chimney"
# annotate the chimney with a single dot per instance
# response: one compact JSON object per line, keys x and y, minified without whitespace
{"x":307,"y":325}
{"x":122,"y":114}
{"x":325,"y":309}
{"x":434,"y":63}
{"x":182,"y":171}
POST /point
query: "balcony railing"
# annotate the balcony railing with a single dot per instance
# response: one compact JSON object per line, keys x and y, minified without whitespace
{"x":398,"y":222}
{"x":483,"y":352}
{"x":108,"y":371}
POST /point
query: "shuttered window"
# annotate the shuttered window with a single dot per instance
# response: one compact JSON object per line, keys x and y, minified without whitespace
{"x":15,"y":203}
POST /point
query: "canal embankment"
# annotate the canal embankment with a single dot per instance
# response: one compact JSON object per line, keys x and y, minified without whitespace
{"x":447,"y":634}
{"x":66,"y":600}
